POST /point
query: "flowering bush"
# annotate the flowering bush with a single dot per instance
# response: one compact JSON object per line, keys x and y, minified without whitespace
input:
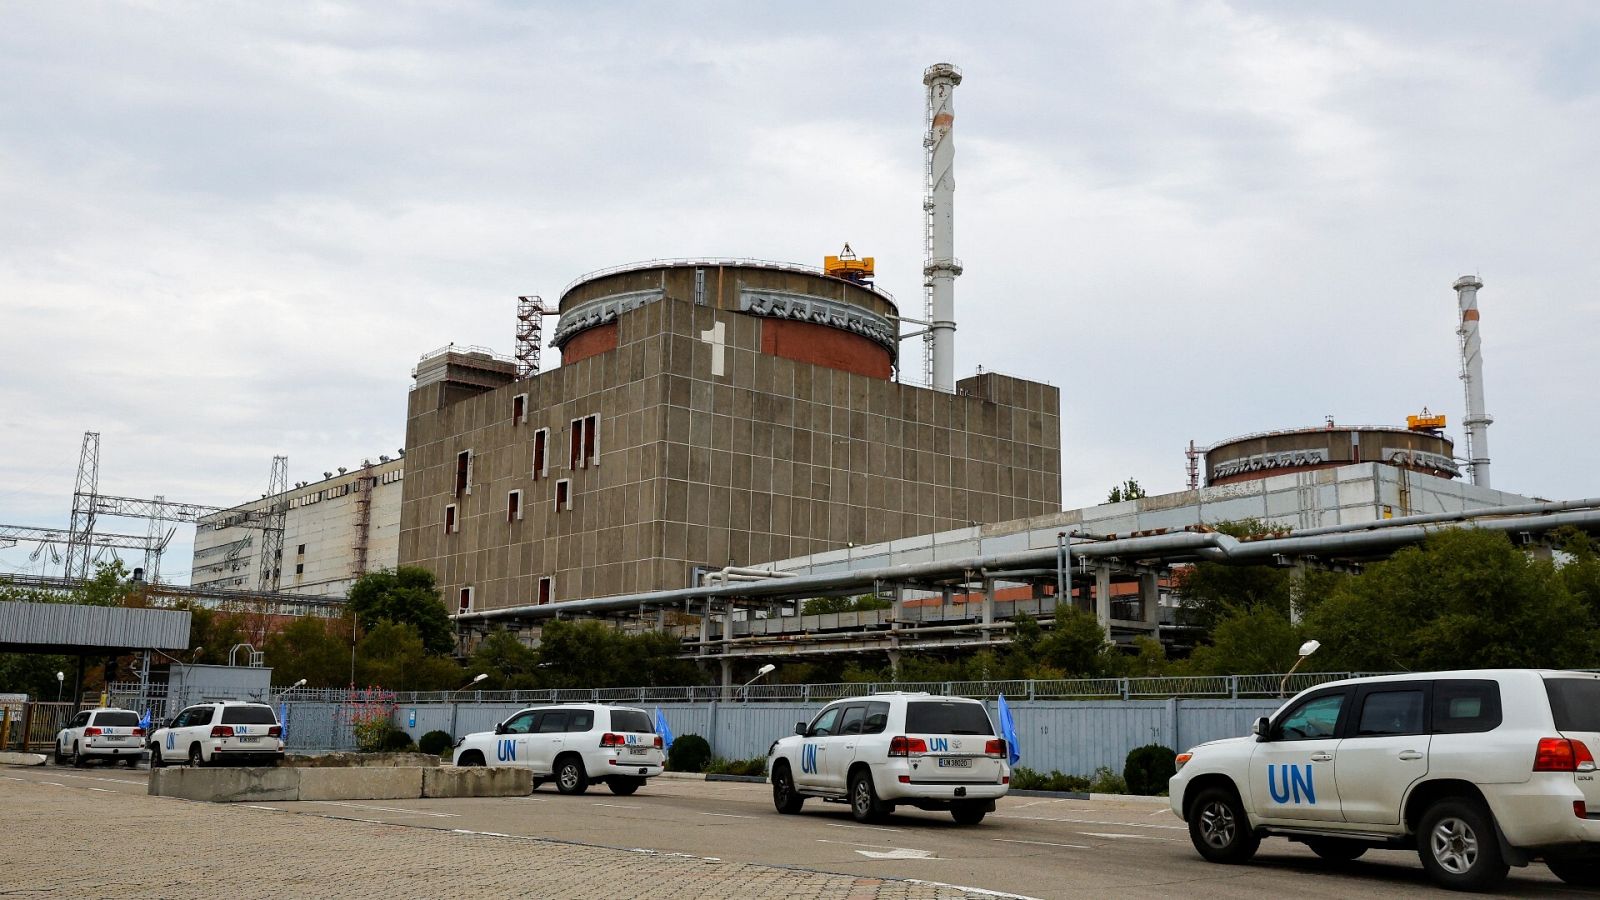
{"x":370,"y":713}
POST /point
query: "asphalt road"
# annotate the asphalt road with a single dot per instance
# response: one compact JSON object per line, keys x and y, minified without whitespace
{"x":1034,"y":847}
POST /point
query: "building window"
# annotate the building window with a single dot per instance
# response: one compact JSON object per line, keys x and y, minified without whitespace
{"x":452,"y":525}
{"x":541,"y":453}
{"x":519,"y":409}
{"x":563,"y":494}
{"x":466,"y":600}
{"x":575,"y":444}
{"x":463,"y":472}
{"x":514,"y":506}
{"x":547,"y":590}
{"x":591,"y":439}
{"x":299,"y":568}
{"x":302,"y":550}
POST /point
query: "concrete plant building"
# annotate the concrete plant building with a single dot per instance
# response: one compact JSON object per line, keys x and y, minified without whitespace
{"x":334,"y":530}
{"x":706,"y":414}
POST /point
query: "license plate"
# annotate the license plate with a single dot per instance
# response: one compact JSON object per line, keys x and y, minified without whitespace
{"x":955,"y":763}
{"x":247,"y":740}
{"x":638,"y":751}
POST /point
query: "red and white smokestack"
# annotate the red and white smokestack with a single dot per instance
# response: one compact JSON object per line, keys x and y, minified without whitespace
{"x":940,"y":267}
{"x":1477,"y":421}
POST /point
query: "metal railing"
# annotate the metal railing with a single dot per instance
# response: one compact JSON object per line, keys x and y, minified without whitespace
{"x":707,"y":262}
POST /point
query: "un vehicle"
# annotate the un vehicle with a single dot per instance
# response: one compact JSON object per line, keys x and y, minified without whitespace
{"x":576,"y":744}
{"x":1475,"y":771}
{"x":214,"y":734}
{"x":880,"y":751}
{"x":109,"y":734}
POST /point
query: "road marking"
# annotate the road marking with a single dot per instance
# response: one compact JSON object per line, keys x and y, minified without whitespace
{"x":1130,"y":837}
{"x":53,"y":783}
{"x":1042,"y":843}
{"x":727,"y":816}
{"x":898,"y":854}
{"x":267,"y":808}
{"x":616,"y":806}
{"x":484,"y":833}
{"x":103,"y":790}
{"x":1094,"y":822}
{"x":981,"y":892}
{"x":864,"y":827}
{"x":390,"y":809}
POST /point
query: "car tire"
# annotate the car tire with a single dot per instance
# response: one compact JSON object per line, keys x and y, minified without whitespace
{"x":155,"y":756}
{"x":570,"y":776}
{"x":61,"y":758}
{"x":1220,"y":829}
{"x":78,"y":761}
{"x":970,"y":812}
{"x":471,"y":758}
{"x":623,"y":785}
{"x":537,"y":782}
{"x":1576,"y":872}
{"x":785,"y":799}
{"x":197,"y":757}
{"x":864,"y":802}
{"x":1459,"y":847}
{"x":133,"y":762}
{"x":1335,"y":850}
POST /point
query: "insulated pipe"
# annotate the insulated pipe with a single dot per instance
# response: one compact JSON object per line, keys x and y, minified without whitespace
{"x":1424,"y":518}
{"x":1406,"y":534}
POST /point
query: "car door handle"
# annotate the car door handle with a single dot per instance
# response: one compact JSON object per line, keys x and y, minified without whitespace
{"x":1322,"y":756}
{"x":1410,"y":754}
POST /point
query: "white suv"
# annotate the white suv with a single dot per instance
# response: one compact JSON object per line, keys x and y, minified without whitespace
{"x":1476,"y":771}
{"x":224,"y":733}
{"x":934,"y":753}
{"x":110,"y":734}
{"x":576,"y":744}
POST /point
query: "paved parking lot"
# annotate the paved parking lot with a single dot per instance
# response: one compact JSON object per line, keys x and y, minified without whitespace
{"x":674,"y":838}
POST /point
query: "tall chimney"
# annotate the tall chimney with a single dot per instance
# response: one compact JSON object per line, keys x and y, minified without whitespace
{"x":940,"y":266}
{"x":1477,"y":421}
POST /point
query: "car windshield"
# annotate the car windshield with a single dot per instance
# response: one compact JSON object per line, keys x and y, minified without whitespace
{"x":248,"y":715}
{"x":116,"y":719}
{"x":947,"y":717}
{"x":1575,"y":703}
{"x":631,"y":720}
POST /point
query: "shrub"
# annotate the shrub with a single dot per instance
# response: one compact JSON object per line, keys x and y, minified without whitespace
{"x":689,"y":753}
{"x":1026,"y":779}
{"x":372,"y":727}
{"x":435,"y":742}
{"x":1148,"y":769}
{"x":1106,"y":781}
{"x":397,"y":741}
{"x":755,"y":765}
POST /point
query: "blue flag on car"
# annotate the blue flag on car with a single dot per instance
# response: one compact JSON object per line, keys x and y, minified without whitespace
{"x":144,"y":721}
{"x":1008,"y":730}
{"x":663,"y":730}
{"x":283,"y":720}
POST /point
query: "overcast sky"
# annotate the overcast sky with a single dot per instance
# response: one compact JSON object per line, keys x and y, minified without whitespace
{"x":229,"y":231}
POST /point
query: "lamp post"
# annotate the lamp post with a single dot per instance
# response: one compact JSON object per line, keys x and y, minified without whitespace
{"x":61,"y":679}
{"x":456,"y":707}
{"x":288,"y":690}
{"x":764,"y":670}
{"x":1306,"y":649}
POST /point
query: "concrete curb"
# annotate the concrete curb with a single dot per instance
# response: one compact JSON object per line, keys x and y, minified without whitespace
{"x":1052,"y":795}
{"x":1133,"y":798}
{"x":684,"y":776}
{"x":748,"y":779}
{"x":22,"y":759}
{"x":287,"y":783}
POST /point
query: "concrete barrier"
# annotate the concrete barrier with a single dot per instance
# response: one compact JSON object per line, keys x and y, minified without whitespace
{"x":476,"y":781}
{"x":360,"y":760}
{"x":360,"y":783}
{"x":226,"y":785}
{"x":22,"y":759}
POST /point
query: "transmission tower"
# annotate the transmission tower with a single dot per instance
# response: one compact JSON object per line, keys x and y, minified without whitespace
{"x":79,"y":540}
{"x":530,"y":335}
{"x":272,"y":528}
{"x":152,"y":555}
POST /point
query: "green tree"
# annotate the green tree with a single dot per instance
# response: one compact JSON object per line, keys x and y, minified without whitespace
{"x":1077,"y":645}
{"x":1247,"y":641}
{"x":817,"y":606}
{"x":1128,"y":490}
{"x":1465,"y":598}
{"x":312,"y":648}
{"x":212,"y":634}
{"x":407,"y":595}
{"x":592,"y":654}
{"x":509,"y":663}
{"x":392,"y":655}
{"x":1580,"y":571}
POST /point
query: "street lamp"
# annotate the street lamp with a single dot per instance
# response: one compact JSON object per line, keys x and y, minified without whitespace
{"x":61,"y":679}
{"x":764,"y":670}
{"x":455,"y":708}
{"x":286,"y":691}
{"x":1306,"y":649}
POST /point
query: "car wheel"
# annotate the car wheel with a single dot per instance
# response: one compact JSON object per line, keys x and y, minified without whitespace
{"x":537,"y":782}
{"x":1219,"y":828}
{"x":471,"y":758}
{"x":785,"y":798}
{"x":155,"y":756}
{"x":78,"y":761}
{"x":197,"y":757}
{"x":622,"y":786}
{"x":1458,"y":846}
{"x":1336,"y":850}
{"x":1576,"y":872}
{"x":969,"y":813}
{"x":61,"y":758}
{"x":570,"y":777}
{"x":864,"y":802}
{"x":133,"y":762}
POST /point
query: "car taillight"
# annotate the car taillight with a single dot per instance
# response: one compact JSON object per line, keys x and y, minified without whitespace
{"x":659,"y":744}
{"x":138,"y":732}
{"x":275,"y":731}
{"x":905,"y":746}
{"x":91,"y":731}
{"x":1580,"y":809}
{"x":221,"y":731}
{"x":995,"y":748}
{"x":612,"y":740}
{"x":1562,"y":755}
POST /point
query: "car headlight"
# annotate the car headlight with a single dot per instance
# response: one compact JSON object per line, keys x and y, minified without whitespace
{"x":1184,"y":758}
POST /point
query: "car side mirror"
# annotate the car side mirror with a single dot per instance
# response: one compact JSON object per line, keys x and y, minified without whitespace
{"x":1262,"y":729}
{"x":800,"y":728}
{"x":499,"y":728}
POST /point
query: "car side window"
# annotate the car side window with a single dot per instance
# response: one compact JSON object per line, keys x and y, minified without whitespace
{"x":553,"y":721}
{"x":580,"y":720}
{"x":1465,"y":706}
{"x":877,"y":718}
{"x":1392,"y":712}
{"x":79,"y":720}
{"x":521,"y":723}
{"x":825,"y":724}
{"x":853,"y":717}
{"x":1314,"y":719}
{"x":184,"y":719}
